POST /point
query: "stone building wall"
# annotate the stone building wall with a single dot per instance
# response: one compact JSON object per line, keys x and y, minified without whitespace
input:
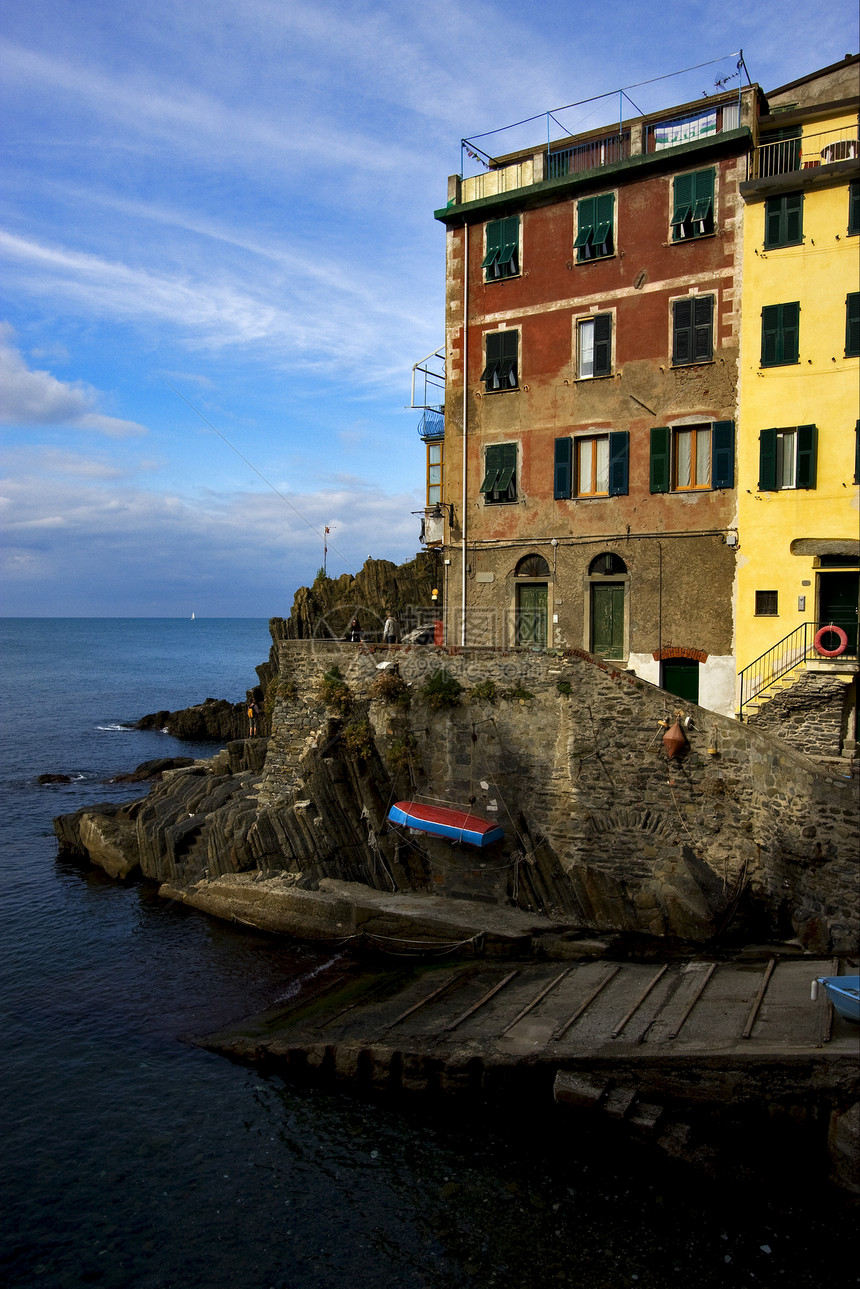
{"x":601,"y":829}
{"x":812,"y":714}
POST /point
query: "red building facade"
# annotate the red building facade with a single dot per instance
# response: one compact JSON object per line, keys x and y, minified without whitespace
{"x":592,"y":334}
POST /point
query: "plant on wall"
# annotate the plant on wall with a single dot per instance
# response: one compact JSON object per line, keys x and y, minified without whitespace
{"x":442,"y":690}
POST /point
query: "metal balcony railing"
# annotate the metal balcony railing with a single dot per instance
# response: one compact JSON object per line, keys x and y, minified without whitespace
{"x":588,"y":156}
{"x":805,"y":152}
{"x":791,"y":652}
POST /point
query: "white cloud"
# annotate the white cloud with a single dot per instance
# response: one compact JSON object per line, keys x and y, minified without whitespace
{"x":84,"y":546}
{"x":36,"y":398}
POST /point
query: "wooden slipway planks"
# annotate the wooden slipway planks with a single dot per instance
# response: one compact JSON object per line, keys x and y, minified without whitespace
{"x":548,"y":1011}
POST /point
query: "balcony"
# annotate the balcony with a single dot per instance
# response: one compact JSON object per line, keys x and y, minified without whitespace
{"x":574,"y":155}
{"x":784,"y":156}
{"x":589,"y":155}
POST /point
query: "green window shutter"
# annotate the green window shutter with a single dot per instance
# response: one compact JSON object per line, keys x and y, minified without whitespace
{"x":603,"y":218}
{"x":854,"y":208}
{"x":494,"y":243}
{"x":783,"y":221}
{"x":723,"y":454}
{"x":492,"y":464}
{"x":603,"y":344}
{"x":682,"y":331}
{"x":501,"y":369}
{"x":660,"y":462}
{"x":562,"y":469}
{"x":586,"y":211}
{"x":619,"y":458}
{"x":807,"y":443}
{"x":683,"y":202}
{"x":857,"y":452}
{"x":509,"y":344}
{"x":769,"y":335}
{"x":703,"y":195}
{"x":852,"y":325}
{"x":793,"y":218}
{"x":772,"y":222}
{"x":509,"y":244}
{"x":703,"y":331}
{"x":507,"y":468}
{"x":767,"y":461}
{"x":790,"y":327}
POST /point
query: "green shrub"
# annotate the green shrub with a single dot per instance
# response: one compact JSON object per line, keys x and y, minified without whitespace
{"x":399,"y":752}
{"x":442,"y":690}
{"x":391,"y":688}
{"x":485,"y":692}
{"x":517,"y":692}
{"x":564,"y":687}
{"x":357,"y":739}
{"x":334,"y":692}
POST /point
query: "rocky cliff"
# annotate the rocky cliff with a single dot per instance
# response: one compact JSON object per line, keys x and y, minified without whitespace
{"x":735,"y":835}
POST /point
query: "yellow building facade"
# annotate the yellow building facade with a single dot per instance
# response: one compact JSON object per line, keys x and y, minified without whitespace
{"x":798,"y":513}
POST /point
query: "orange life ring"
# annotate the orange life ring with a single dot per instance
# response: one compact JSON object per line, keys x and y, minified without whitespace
{"x":826,"y":631}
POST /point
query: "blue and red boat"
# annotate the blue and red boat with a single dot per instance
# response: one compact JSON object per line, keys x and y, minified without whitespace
{"x":445,"y":821}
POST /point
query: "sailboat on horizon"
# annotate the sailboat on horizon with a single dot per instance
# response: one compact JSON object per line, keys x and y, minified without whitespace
{"x":193,"y":615}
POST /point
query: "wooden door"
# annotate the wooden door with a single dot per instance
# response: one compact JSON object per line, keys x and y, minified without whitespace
{"x":607,"y":619}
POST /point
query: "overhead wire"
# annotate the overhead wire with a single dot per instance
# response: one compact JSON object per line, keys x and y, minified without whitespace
{"x":260,"y":475}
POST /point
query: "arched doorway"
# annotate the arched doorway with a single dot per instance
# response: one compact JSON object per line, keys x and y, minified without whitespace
{"x":607,"y":575}
{"x":531,"y":606}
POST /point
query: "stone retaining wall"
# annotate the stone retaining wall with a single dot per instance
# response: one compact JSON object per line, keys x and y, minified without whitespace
{"x":601,"y":828}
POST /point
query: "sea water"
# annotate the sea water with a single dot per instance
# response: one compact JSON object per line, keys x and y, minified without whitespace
{"x":130,"y":1157}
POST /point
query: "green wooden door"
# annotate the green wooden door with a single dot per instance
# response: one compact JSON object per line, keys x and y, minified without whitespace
{"x":607,"y":619}
{"x":681,"y":677}
{"x":531,"y":614}
{"x":837,"y":603}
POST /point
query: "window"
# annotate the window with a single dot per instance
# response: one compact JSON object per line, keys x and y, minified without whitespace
{"x":783,"y":221}
{"x":766,"y":604}
{"x":692,"y":465}
{"x":607,"y":565}
{"x":500,"y":473}
{"x":503,"y":248}
{"x":692,"y":457}
{"x":787,"y":458}
{"x":852,"y":325}
{"x":780,"y":334}
{"x":693,"y":208}
{"x":595,"y":238}
{"x":592,"y":465}
{"x":435,"y":463}
{"x":501,"y":369}
{"x":854,"y":208}
{"x":532,"y":566}
{"x":594,"y":347}
{"x":692,"y":330}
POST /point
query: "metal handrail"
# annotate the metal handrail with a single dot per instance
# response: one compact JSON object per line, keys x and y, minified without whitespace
{"x":790,"y":652}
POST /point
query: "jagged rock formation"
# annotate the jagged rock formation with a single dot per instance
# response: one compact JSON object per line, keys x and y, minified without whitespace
{"x":324,"y":610}
{"x":214,"y":720}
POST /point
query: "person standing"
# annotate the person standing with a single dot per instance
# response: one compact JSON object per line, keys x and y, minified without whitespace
{"x":253,"y":713}
{"x":354,"y":631}
{"x":390,"y":630}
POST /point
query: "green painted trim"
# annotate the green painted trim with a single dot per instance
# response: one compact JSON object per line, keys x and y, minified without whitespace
{"x":605,"y":176}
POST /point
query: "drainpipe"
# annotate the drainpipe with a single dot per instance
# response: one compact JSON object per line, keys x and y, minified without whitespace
{"x":660,"y":610}
{"x":463,"y":512}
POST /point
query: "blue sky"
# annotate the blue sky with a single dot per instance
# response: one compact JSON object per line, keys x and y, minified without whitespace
{"x":236,"y":200}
